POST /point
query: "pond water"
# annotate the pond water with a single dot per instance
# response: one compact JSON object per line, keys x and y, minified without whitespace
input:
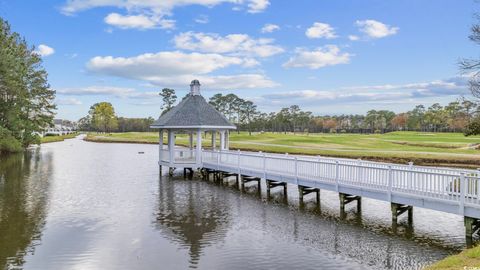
{"x":82,"y":205}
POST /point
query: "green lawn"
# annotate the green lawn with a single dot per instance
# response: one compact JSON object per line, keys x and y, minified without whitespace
{"x":49,"y":139}
{"x":467,"y":259}
{"x":451,"y":149}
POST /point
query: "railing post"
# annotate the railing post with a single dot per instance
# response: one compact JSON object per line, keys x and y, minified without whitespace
{"x":264,"y":167}
{"x":462,"y":194}
{"x":337,"y":174}
{"x":238,"y":161}
{"x":476,"y":185}
{"x":390,"y":185}
{"x":296,"y":170}
{"x":410,"y":167}
{"x":359,"y":162}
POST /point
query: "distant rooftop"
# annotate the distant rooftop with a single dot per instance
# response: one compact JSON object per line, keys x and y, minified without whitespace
{"x":193,"y":112}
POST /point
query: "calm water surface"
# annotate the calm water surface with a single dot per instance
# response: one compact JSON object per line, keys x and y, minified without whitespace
{"x":81,"y":205}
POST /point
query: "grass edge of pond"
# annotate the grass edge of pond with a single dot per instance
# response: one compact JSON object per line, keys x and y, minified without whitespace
{"x":467,"y":259}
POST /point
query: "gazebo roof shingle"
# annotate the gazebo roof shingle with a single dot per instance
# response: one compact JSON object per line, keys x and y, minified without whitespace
{"x":193,"y":112}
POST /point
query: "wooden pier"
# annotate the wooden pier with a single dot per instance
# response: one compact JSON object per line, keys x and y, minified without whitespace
{"x":447,"y":190}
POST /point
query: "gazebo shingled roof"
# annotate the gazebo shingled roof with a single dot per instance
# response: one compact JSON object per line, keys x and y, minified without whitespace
{"x":193,"y":112}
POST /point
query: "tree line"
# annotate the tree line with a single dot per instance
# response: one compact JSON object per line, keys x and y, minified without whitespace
{"x":454,"y":117}
{"x":102,"y":118}
{"x":26,"y":99}
{"x":457,"y":116}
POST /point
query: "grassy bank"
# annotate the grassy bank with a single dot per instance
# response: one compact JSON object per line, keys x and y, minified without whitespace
{"x":448,"y":149}
{"x":49,"y":139}
{"x":467,"y":259}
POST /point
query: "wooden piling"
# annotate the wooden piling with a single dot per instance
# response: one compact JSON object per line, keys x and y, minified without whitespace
{"x":304,"y":190}
{"x":472,"y":225}
{"x":171,"y":170}
{"x":398,"y":209}
{"x":245,"y":179}
{"x":273,"y":184}
{"x":347,"y":198}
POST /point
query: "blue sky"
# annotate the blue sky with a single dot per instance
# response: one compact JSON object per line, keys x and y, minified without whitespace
{"x":328,"y":56}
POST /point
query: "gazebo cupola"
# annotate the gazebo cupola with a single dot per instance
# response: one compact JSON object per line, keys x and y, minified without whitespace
{"x":192,"y":117}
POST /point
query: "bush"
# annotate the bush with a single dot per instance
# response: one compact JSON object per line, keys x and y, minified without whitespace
{"x":473,"y":128}
{"x":378,"y":131}
{"x":8,"y":143}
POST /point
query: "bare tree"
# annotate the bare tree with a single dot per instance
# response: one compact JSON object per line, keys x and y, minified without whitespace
{"x":471,"y":66}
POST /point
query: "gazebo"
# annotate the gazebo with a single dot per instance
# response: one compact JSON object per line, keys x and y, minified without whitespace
{"x":192,"y":116}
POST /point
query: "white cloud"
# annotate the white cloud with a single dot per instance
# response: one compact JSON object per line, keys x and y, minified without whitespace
{"x":68,"y":101}
{"x":353,"y":37}
{"x":44,"y":50}
{"x":376,"y":29}
{"x":320,"y":30}
{"x":114,"y":91}
{"x":97,"y":90}
{"x":143,"y":13}
{"x":410,"y":92}
{"x":138,"y":21}
{"x":256,"y":6}
{"x":176,"y":69}
{"x":328,"y":55}
{"x":269,"y":28}
{"x":236,"y":44}
{"x":202,"y":19}
{"x":164,"y":63}
{"x":239,"y":81}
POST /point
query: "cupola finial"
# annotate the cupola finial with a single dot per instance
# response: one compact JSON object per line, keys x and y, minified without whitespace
{"x":195,"y":88}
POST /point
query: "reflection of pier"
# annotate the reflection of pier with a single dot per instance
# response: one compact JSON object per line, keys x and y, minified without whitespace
{"x":192,"y":214}
{"x":23,"y":202}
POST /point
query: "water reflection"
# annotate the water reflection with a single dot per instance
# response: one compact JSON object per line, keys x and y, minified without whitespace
{"x":192,"y":214}
{"x":24,"y":194}
{"x":106,"y":208}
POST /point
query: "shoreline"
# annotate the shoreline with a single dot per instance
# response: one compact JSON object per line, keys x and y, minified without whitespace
{"x":467,"y":259}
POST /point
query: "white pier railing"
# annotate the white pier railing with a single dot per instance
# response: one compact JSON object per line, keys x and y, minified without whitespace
{"x":444,"y":189}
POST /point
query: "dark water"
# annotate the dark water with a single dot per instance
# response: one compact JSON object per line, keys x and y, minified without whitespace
{"x":80,"y":205}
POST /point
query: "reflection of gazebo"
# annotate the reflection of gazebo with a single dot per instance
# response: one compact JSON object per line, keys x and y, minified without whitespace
{"x":192,"y":214}
{"x":193,"y":115}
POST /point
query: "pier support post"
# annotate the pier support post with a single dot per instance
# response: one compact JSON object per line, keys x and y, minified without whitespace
{"x":398,"y":209}
{"x":472,"y":225}
{"x":171,"y":170}
{"x":347,"y":198}
{"x":245,"y":179}
{"x":224,"y":175}
{"x":273,"y":184}
{"x":303,"y":190}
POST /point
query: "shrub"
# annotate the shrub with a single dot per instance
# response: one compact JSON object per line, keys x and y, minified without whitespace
{"x":8,"y":143}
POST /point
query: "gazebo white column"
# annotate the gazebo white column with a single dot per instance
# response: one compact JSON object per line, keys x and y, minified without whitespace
{"x":214,"y":139}
{"x":190,"y":140}
{"x":198,"y":152}
{"x":222,"y":140}
{"x":160,"y":147}
{"x":227,"y":140}
{"x":171,"y":146}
